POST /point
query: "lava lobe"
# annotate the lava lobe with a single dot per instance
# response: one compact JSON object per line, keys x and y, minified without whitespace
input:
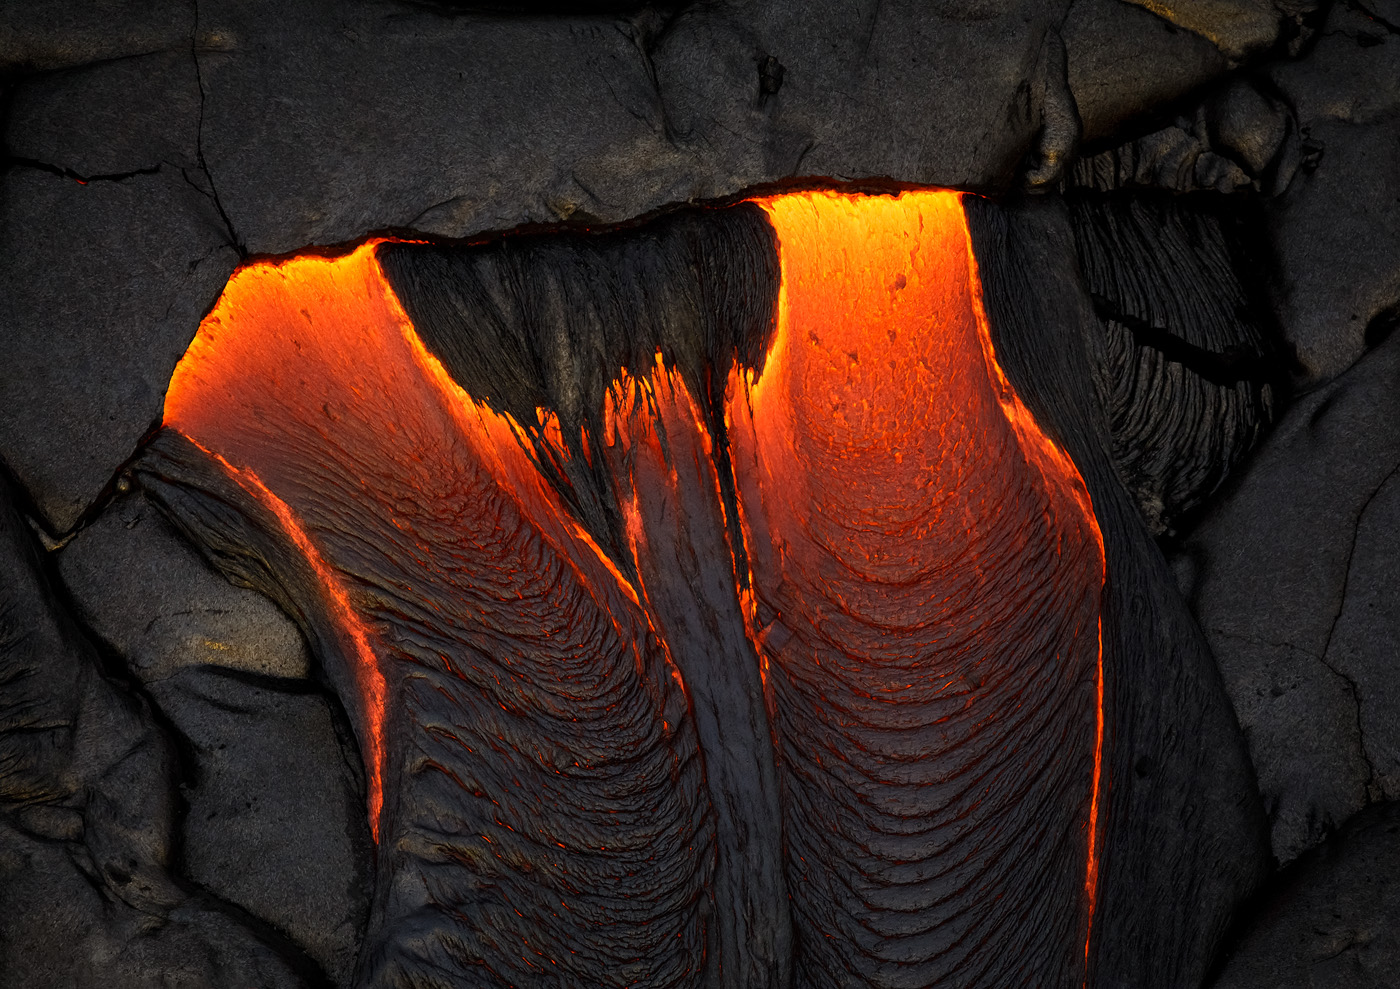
{"x":709,"y":609}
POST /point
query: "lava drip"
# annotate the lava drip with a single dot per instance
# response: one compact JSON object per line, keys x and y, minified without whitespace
{"x":534,"y":778}
{"x":926,"y":575}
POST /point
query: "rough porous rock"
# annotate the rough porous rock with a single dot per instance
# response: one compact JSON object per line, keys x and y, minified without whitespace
{"x":1293,"y":578}
{"x":137,"y":584}
{"x":1239,"y":28}
{"x":37,"y":35}
{"x":1336,"y":231}
{"x":1333,"y":919}
{"x":325,"y":121}
{"x":112,"y":118}
{"x":275,"y":816}
{"x":1126,"y":63}
{"x":103,"y":287}
{"x":86,"y":809}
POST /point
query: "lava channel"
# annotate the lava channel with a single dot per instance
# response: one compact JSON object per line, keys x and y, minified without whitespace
{"x":915,"y":601}
{"x":534,"y":780}
{"x":926,"y":579}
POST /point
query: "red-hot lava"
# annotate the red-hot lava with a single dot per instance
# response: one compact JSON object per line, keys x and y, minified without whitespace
{"x":922,"y":596}
{"x":926,"y":572}
{"x":534,"y":783}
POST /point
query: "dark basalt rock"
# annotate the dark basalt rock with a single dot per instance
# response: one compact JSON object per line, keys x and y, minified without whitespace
{"x":273,"y":816}
{"x":40,"y":35}
{"x":138,"y":585}
{"x":327,"y":120}
{"x":1292,"y":578}
{"x":102,"y":290}
{"x":86,"y":808}
{"x":1125,"y":64}
{"x":1336,"y":230}
{"x":274,"y":820}
{"x":114,"y":118}
{"x":1331,"y":918}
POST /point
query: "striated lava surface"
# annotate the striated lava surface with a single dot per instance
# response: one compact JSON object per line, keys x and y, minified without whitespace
{"x":683,"y":648}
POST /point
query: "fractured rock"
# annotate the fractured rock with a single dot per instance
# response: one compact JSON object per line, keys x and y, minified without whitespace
{"x":1332,"y":919}
{"x":1125,"y":63}
{"x":86,"y":788}
{"x":1292,"y":577}
{"x":111,"y":118}
{"x":103,"y":288}
{"x":327,"y":121}
{"x":142,"y":588}
{"x":1336,"y":230}
{"x":275,"y":821}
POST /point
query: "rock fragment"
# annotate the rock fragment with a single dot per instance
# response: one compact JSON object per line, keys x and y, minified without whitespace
{"x":275,"y":818}
{"x":1293,"y":581}
{"x":103,"y":287}
{"x":1336,"y":230}
{"x":143,"y":589}
{"x":1332,"y":919}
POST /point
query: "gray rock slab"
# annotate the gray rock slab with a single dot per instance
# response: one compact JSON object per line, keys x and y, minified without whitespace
{"x":1239,"y":28}
{"x":275,"y":818}
{"x":103,"y":287}
{"x":1294,"y":581}
{"x":37,"y":35}
{"x":1125,"y":63}
{"x":1336,"y":230}
{"x":137,"y":584}
{"x":87,"y":783}
{"x":1333,"y":919}
{"x":111,"y":118}
{"x":325,"y":121}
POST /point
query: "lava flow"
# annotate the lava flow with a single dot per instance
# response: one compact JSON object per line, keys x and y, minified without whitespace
{"x":926,"y":575}
{"x":833,"y":714}
{"x":534,"y":781}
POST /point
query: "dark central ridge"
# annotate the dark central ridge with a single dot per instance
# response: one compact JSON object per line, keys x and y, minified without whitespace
{"x":709,"y":608}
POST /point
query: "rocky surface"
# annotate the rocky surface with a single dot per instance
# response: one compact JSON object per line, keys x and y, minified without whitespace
{"x":275,"y":813}
{"x":1126,"y":64}
{"x":1330,"y":918}
{"x":139,"y":586}
{"x":103,"y":287}
{"x":317,"y":127}
{"x":86,"y":817}
{"x":1336,"y":230}
{"x":148,"y":144}
{"x":113,"y":118}
{"x":1293,"y":578}
{"x":39,"y":35}
{"x":273,"y":816}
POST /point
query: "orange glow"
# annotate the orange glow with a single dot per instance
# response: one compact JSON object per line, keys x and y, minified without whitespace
{"x":927,"y":552}
{"x":237,"y":425}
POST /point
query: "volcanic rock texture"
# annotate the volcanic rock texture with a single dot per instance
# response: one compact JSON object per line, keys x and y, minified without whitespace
{"x":603,"y":615}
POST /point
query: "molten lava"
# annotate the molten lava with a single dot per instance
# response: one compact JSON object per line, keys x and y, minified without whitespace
{"x":534,"y":782}
{"x":918,"y":615}
{"x":926,"y":571}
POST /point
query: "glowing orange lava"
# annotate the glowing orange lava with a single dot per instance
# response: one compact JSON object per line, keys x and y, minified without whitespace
{"x":926,"y":573}
{"x":303,"y":369}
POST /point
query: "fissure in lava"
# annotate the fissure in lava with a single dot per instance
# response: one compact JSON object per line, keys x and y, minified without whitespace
{"x":827,"y":706}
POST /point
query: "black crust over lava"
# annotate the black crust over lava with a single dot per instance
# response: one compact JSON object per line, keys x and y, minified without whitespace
{"x":1185,"y":840}
{"x":549,"y":320}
